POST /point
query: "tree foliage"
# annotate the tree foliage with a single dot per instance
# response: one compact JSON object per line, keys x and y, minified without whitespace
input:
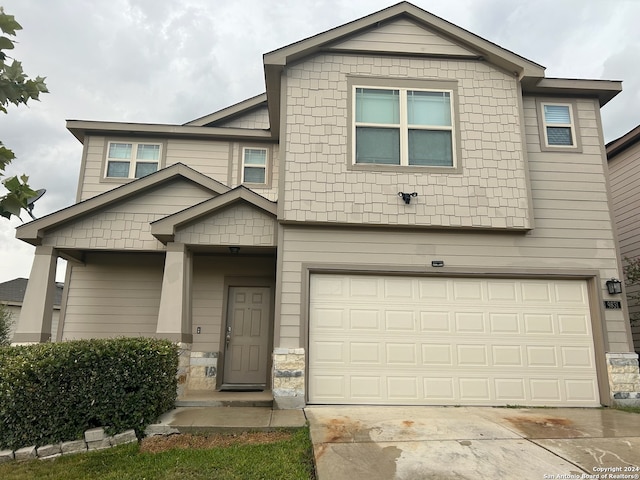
{"x":15,"y":88}
{"x":631,"y":271}
{"x":6,"y":324}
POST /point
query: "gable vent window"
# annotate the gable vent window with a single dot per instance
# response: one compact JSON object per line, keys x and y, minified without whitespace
{"x":254,"y":165}
{"x":132,"y":160}
{"x":403,"y":127}
{"x":558,"y":124}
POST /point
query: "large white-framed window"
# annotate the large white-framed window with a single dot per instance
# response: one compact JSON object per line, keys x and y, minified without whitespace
{"x":254,"y":165}
{"x":403,"y":126}
{"x":132,"y":159}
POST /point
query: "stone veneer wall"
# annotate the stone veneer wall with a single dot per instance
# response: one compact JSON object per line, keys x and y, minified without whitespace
{"x":288,"y":378}
{"x":203,"y":371}
{"x":184,"y":361}
{"x":624,"y":378}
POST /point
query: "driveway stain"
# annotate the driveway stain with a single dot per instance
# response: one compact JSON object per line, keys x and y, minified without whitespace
{"x":536,"y":426}
{"x":353,"y":448}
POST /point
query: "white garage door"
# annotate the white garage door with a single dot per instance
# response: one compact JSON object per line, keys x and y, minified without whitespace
{"x":450,"y":341}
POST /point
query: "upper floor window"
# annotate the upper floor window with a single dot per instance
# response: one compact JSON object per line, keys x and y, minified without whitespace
{"x":254,"y":165}
{"x":132,"y":159}
{"x":558,"y":126}
{"x":558,"y":123}
{"x":404,"y":126}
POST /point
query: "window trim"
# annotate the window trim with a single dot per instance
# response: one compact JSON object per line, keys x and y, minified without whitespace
{"x":132,"y":162}
{"x":405,"y":84}
{"x":267,"y":170}
{"x":542,"y":125}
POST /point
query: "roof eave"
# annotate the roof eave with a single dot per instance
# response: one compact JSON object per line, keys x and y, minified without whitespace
{"x":487,"y":49}
{"x":81,"y":128}
{"x":34,"y":231}
{"x":604,"y":90}
{"x":165,"y":228}
{"x":620,"y":144}
{"x":230,"y":112}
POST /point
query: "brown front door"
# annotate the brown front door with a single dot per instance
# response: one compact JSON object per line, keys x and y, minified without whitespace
{"x":247,"y":338}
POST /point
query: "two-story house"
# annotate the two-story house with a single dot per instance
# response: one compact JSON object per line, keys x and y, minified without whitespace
{"x":410,"y":215}
{"x":623,"y":155}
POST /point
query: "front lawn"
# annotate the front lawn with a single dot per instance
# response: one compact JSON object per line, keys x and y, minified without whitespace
{"x":287,"y":457}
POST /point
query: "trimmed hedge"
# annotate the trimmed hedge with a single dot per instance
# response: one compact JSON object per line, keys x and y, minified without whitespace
{"x":53,"y":392}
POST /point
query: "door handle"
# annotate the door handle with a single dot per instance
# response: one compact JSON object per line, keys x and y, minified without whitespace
{"x":228,"y":337}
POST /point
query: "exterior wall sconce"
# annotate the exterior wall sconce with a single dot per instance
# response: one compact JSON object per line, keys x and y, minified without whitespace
{"x":234,"y":250}
{"x":406,"y":197}
{"x":614,"y":286}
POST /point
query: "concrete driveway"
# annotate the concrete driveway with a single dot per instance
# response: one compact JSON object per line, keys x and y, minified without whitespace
{"x":473,"y":443}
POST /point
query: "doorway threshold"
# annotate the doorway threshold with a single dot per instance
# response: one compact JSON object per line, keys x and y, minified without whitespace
{"x":212,"y":398}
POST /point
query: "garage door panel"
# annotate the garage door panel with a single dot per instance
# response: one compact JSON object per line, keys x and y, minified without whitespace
{"x":364,"y":319}
{"x":537,"y":323}
{"x":437,"y":322}
{"x":573,"y":324}
{"x":423,"y":341}
{"x":366,"y":353}
{"x":399,"y":320}
{"x":439,"y":389}
{"x":576,"y":357}
{"x":510,"y":390}
{"x":437,"y":354}
{"x":505,"y":323}
{"x":507,"y":356}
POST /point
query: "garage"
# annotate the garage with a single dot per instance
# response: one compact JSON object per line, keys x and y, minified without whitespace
{"x":402,"y":340}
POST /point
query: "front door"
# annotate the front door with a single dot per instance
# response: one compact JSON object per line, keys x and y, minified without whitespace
{"x":247,"y":338}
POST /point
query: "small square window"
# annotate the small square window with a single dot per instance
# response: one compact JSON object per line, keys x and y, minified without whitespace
{"x":254,"y":165}
{"x":558,"y":129}
{"x":132,"y":160}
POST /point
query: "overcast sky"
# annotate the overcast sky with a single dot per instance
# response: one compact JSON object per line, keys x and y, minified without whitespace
{"x":163,"y":61}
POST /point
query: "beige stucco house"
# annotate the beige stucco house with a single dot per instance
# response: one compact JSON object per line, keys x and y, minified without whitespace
{"x":410,"y":215}
{"x":624,"y":173}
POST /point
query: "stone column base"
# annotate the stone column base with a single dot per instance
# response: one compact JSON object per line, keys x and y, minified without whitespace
{"x":624,"y":378}
{"x":288,"y":378}
{"x":184,"y":365}
{"x":203,"y":371}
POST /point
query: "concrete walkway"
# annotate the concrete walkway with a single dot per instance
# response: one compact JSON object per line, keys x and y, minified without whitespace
{"x":225,"y":419}
{"x":473,"y":443}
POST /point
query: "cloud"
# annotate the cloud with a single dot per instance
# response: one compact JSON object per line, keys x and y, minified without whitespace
{"x":160,"y":61}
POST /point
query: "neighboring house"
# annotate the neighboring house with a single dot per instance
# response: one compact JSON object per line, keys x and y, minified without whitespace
{"x":624,"y":181}
{"x":273,"y":241}
{"x":12,"y":295}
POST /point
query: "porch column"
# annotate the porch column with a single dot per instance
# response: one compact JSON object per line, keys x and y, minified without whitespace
{"x":34,"y":323}
{"x":174,"y":322}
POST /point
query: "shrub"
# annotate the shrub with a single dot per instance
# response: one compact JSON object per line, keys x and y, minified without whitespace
{"x":53,"y":392}
{"x":6,"y":324}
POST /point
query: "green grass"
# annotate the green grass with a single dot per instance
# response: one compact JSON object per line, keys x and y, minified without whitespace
{"x":287,"y":459}
{"x":629,"y":409}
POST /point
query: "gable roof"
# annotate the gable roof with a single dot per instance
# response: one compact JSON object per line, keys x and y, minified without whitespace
{"x":33,"y":232}
{"x":231,"y":112}
{"x":13,"y":291}
{"x":620,"y":144}
{"x":528,"y":72}
{"x":276,"y":60}
{"x":165,"y":228}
